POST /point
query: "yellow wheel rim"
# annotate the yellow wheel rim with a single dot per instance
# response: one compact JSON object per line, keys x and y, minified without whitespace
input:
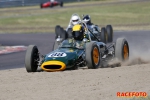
{"x":95,"y":55}
{"x":125,"y":52}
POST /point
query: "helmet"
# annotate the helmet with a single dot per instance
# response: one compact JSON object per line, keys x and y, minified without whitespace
{"x":78,"y":32}
{"x":75,"y":19}
{"x":87,"y":19}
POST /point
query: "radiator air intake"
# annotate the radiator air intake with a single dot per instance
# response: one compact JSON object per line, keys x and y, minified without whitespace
{"x":52,"y":66}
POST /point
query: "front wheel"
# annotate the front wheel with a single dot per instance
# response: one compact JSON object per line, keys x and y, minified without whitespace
{"x":109,"y":30}
{"x":92,"y":55}
{"x":32,"y":58}
{"x":69,"y":33}
{"x":103,"y":35}
{"x":59,"y":31}
{"x":122,"y":49}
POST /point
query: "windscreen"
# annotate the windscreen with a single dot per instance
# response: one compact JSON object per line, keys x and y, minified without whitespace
{"x":71,"y":43}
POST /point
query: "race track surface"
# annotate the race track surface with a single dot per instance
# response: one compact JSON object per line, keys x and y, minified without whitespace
{"x":139,"y":43}
{"x":16,"y":60}
{"x":81,"y":84}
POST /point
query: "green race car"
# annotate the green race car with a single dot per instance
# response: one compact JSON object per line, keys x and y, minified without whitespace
{"x":71,"y":53}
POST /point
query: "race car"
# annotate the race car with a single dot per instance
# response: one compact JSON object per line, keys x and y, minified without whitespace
{"x":104,"y":34}
{"x":51,"y":4}
{"x":69,"y":53}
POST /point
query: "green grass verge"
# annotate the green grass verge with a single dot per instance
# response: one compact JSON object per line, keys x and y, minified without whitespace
{"x":124,"y":16}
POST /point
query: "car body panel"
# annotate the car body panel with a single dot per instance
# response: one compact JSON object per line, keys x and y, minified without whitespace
{"x":68,"y":56}
{"x":65,"y":57}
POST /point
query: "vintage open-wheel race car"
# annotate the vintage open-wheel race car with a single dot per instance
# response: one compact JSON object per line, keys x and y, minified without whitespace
{"x":69,"y":53}
{"x":51,"y":4}
{"x":104,"y":34}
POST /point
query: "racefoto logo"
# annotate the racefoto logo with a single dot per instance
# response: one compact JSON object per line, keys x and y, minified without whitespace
{"x":131,"y":94}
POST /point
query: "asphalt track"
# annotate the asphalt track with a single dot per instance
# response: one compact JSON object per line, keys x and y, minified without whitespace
{"x":139,"y":42}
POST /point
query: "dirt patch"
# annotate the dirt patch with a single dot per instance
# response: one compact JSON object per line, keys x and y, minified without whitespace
{"x":87,"y":84}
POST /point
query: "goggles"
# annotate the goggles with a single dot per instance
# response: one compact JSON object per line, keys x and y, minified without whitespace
{"x":75,"y":20}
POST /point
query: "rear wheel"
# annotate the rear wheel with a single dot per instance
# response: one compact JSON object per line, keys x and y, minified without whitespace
{"x":103,"y":35}
{"x":109,"y":30}
{"x":61,"y":4}
{"x":51,"y":5}
{"x":32,"y":58}
{"x":122,"y":49}
{"x":41,"y":5}
{"x":92,"y":55}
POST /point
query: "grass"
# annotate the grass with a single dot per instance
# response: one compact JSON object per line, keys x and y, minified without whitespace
{"x":123,"y":16}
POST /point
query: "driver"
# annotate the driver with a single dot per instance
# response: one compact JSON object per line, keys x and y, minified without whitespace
{"x":78,"y":32}
{"x":94,"y":28}
{"x":75,"y":19}
{"x":78,"y":35}
{"x":87,"y":20}
{"x":52,"y":1}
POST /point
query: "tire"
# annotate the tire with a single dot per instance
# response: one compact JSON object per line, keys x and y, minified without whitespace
{"x":55,"y":46}
{"x":69,"y":33}
{"x":103,"y":35}
{"x":31,"y":58}
{"x":61,"y":4}
{"x":51,"y":5}
{"x":122,"y":49}
{"x":57,"y":30}
{"x":109,"y":30}
{"x":41,"y":5}
{"x":92,"y":49}
{"x":63,"y":34}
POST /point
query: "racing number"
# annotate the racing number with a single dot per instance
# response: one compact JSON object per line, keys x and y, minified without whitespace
{"x":57,"y":54}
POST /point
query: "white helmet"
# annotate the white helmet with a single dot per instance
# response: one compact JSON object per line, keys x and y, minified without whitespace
{"x":75,"y":20}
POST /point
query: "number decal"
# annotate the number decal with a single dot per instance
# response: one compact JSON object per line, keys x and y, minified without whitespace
{"x":57,"y":54}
